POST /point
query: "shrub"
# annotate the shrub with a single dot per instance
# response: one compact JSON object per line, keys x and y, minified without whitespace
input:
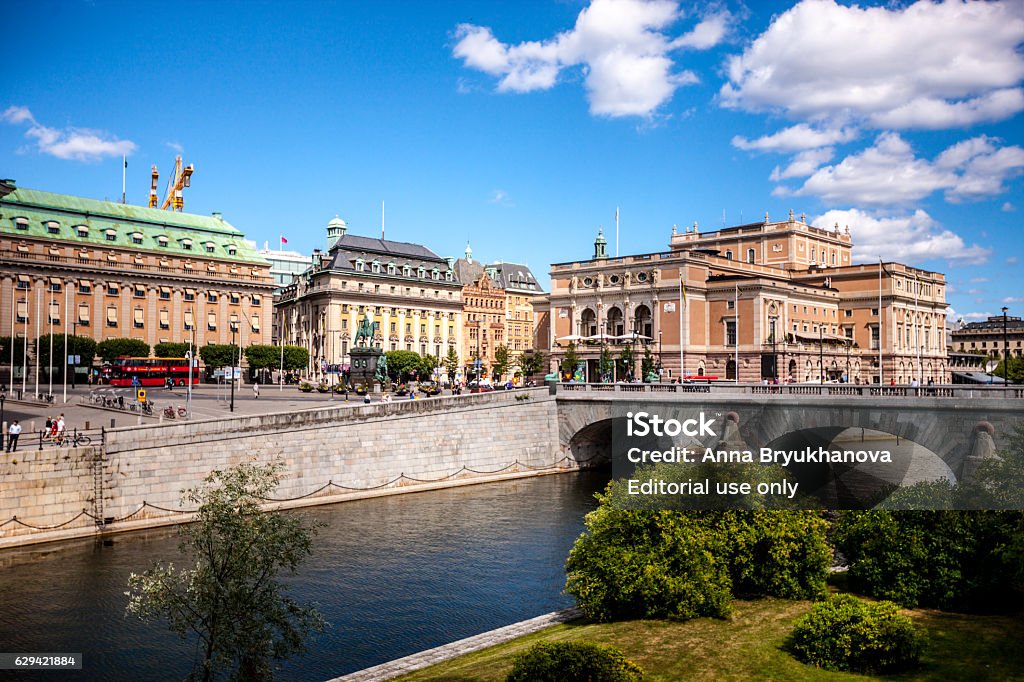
{"x":946,"y":559}
{"x":648,"y":564}
{"x":573,"y":662}
{"x":845,"y":633}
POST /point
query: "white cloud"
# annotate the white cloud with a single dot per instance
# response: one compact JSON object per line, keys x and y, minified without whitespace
{"x":971,"y":317}
{"x":175,"y":146}
{"x":78,"y":144}
{"x":889,"y":173}
{"x":926,"y":65}
{"x":913,"y":237}
{"x":803,"y":164}
{"x":621,"y":46}
{"x":1007,"y":207}
{"x":796,"y":138}
{"x":1013,"y":299}
{"x":500,"y":197}
{"x":1012,"y":260}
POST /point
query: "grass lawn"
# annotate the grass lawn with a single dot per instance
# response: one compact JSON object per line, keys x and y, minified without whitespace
{"x":748,"y":646}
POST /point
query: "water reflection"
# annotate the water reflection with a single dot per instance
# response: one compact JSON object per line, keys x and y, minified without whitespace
{"x":394,"y":575}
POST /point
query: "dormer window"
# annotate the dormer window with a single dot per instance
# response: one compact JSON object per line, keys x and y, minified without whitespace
{"x":231,"y":249}
{"x":448,"y":276}
{"x":82,"y":231}
{"x":391,"y":268}
{"x":186,"y":244}
{"x":52,"y":227}
{"x":111,"y":235}
{"x":21,"y":223}
{"x":162,"y":241}
{"x":435,"y":274}
{"x":360,"y":265}
{"x":406,"y":271}
{"x":136,"y":238}
{"x":421,"y":272}
{"x":210,"y":246}
{"x":375,"y":266}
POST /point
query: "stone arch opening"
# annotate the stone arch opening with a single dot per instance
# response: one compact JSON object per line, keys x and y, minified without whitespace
{"x":591,"y":446}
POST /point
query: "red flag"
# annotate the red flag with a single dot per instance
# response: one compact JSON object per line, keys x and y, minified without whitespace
{"x":283,"y":240}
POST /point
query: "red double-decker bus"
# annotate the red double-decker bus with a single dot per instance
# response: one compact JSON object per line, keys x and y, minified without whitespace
{"x":151,"y":372}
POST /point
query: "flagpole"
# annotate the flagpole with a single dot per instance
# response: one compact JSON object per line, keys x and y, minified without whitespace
{"x":64,"y":373}
{"x":682,"y":342}
{"x":49,"y":360}
{"x":616,"y":231}
{"x":39,"y":314}
{"x":382,"y":220}
{"x":736,"y":304}
{"x":14,"y":303}
{"x":124,"y":172}
{"x":917,"y":331}
{"x":881,"y":365}
{"x":24,"y":347}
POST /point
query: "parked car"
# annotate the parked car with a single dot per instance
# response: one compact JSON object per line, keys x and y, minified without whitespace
{"x":476,"y":387}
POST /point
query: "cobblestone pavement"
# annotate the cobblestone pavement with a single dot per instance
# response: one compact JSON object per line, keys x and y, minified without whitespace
{"x":423,"y":659}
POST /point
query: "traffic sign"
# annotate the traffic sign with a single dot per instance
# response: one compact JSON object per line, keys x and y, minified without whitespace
{"x":140,"y":395}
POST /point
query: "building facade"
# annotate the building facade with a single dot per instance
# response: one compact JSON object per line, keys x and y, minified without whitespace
{"x":410,"y":293}
{"x":770,"y":300}
{"x":993,"y":337}
{"x":521,"y":290}
{"x":107,"y":270}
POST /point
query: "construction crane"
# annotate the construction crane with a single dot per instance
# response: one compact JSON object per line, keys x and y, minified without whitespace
{"x":179,"y":180}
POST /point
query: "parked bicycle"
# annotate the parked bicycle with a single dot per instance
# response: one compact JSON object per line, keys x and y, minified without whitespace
{"x":72,"y":440}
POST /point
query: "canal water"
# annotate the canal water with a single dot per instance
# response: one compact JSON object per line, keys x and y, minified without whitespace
{"x":393,"y":575}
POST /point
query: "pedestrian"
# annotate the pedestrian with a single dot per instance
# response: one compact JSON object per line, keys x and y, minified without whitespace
{"x":61,"y":426}
{"x":13,"y":431}
{"x":48,"y":427}
{"x":256,"y":390}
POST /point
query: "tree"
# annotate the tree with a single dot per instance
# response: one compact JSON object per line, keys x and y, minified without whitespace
{"x":219,"y":355}
{"x":262,"y":356}
{"x":501,"y":361}
{"x":570,"y":360}
{"x":295,"y":357}
{"x":5,"y":348}
{"x":628,"y":363}
{"x":1016,"y":375}
{"x":231,"y":598}
{"x":77,"y":345}
{"x":426,"y":367}
{"x":647,"y":365}
{"x":401,"y":364}
{"x":605,"y":364}
{"x":531,"y":362}
{"x":451,"y":362}
{"x":112,"y":349}
{"x":166,"y":349}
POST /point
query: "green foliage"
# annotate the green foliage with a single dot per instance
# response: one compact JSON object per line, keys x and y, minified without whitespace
{"x":605,"y":364}
{"x":295,"y":357}
{"x":845,"y":633}
{"x":1016,"y":367}
{"x":531,"y":362}
{"x":219,"y":355}
{"x":648,"y":364}
{"x":573,"y":662}
{"x":77,"y":345}
{"x":115,"y":348}
{"x":502,"y":361}
{"x":570,"y":360}
{"x":651,"y":564}
{"x":962,"y":560}
{"x":402,"y":364}
{"x":262,"y":356}
{"x":426,"y":367}
{"x":231,"y":598}
{"x":5,"y":348}
{"x":451,"y":361}
{"x":627,"y":360}
{"x":167,"y":349}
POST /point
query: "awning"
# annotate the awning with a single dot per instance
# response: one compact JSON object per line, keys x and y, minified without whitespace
{"x":83,"y":312}
{"x":165,"y":317}
{"x":188,"y":317}
{"x":111,"y":314}
{"x":255,"y":323}
{"x":139,"y":315}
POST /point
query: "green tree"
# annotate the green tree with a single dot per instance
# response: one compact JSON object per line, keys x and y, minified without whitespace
{"x":627,"y":361}
{"x":219,"y":355}
{"x":451,"y":362}
{"x":530,"y":362}
{"x":262,"y":356}
{"x":502,"y":361}
{"x":648,"y":364}
{"x":167,"y":349}
{"x":295,"y":357}
{"x":5,"y":348}
{"x":112,"y":349}
{"x":1016,"y":367}
{"x":77,"y":345}
{"x":401,"y":364}
{"x":570,"y":360}
{"x":426,"y":367}
{"x":605,"y":364}
{"x":231,"y":597}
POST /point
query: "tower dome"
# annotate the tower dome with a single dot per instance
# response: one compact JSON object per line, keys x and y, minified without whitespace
{"x":335,"y":230}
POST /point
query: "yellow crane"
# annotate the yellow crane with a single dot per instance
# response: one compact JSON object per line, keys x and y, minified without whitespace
{"x":181,"y":179}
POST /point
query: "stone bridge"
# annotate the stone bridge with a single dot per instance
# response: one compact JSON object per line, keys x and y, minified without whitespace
{"x":957,"y":425}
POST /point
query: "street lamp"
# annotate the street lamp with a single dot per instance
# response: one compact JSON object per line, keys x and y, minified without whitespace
{"x":1006,"y":350}
{"x":821,"y":354}
{"x":659,"y":355}
{"x":3,"y":397}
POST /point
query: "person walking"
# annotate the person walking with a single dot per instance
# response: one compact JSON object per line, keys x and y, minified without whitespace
{"x":256,"y":390}
{"x":13,"y":431}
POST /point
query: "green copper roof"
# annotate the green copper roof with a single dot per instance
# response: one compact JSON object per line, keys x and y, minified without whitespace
{"x":130,"y":224}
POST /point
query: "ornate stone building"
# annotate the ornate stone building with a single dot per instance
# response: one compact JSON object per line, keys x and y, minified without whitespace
{"x":111,"y":270}
{"x":759,"y":301}
{"x":521,"y":290}
{"x":412,"y":294}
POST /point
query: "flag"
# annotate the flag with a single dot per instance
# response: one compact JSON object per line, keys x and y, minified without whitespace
{"x":283,"y":240}
{"x":682,"y":286}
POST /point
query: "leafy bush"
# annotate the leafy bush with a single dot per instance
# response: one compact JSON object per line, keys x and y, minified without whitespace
{"x":962,"y":560}
{"x":573,"y":662}
{"x":656,"y":564}
{"x":845,"y":633}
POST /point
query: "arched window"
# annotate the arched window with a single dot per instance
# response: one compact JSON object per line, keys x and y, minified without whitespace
{"x":750,"y":255}
{"x":728,"y":255}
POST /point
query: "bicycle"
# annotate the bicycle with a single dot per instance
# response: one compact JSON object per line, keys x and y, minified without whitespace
{"x":75,"y":440}
{"x":169,"y":412}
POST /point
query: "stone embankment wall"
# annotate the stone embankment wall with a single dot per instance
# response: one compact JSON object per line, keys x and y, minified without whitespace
{"x":328,"y":454}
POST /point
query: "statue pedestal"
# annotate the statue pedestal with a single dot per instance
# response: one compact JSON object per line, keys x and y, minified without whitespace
{"x":363,"y":367}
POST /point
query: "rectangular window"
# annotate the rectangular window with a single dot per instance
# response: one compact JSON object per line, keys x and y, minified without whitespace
{"x":211,"y":322}
{"x":111,"y":316}
{"x":138,"y":318}
{"x":165,"y":319}
{"x":83,"y":314}
{"x":190,"y":294}
{"x":256,"y":300}
{"x":111,"y":236}
{"x":344,"y":324}
{"x":140,"y":292}
{"x":847,"y":313}
{"x":22,"y":311}
{"x":23,"y":282}
{"x":234,"y":299}
{"x":394,"y":327}
{"x":55,"y":286}
{"x":113,"y":290}
{"x":730,"y":332}
{"x":256,"y":323}
{"x":211,"y":297}
{"x":874,"y":337}
{"x":189,"y":321}
{"x":730,"y":305}
{"x":874,"y":311}
{"x":136,"y":239}
{"x":423,"y":329}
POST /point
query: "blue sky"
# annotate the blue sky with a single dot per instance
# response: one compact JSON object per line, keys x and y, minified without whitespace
{"x":522,"y":126}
